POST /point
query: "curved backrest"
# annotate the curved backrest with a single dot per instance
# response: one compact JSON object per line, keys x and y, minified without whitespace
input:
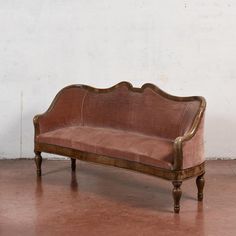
{"x":147,"y":110}
{"x":144,"y":111}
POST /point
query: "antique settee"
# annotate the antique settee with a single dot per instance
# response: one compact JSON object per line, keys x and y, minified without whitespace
{"x":142,"y":129}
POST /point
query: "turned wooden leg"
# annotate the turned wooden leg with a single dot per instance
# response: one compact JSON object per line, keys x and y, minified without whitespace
{"x":38,"y":162}
{"x":200,"y":181}
{"x":177,"y":192}
{"x":73,"y":164}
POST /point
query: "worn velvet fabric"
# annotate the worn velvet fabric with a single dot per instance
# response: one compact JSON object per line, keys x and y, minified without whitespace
{"x":65,"y":112}
{"x":193,"y":150}
{"x":132,"y":146}
{"x":124,"y":124}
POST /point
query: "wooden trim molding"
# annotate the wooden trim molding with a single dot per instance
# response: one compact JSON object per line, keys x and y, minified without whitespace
{"x":122,"y":163}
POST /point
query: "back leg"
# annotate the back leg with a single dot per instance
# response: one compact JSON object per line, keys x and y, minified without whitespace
{"x":38,"y":162}
{"x":73,"y":164}
{"x":200,"y":181}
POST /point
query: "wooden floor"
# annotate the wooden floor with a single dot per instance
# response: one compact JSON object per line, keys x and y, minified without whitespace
{"x":100,"y":200}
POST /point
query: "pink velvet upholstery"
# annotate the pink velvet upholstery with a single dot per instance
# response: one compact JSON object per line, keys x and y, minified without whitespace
{"x":65,"y":112}
{"x":138,"y":126}
{"x":147,"y":112}
{"x":193,"y":150}
{"x":132,"y":146}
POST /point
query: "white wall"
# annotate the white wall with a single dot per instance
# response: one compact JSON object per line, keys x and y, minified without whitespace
{"x":184,"y":47}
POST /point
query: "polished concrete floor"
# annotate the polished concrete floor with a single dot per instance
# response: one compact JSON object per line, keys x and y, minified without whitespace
{"x":101,"y":200}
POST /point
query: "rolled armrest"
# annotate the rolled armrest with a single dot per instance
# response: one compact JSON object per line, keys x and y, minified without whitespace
{"x":189,"y":148}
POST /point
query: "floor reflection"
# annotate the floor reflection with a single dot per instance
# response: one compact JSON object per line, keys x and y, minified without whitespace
{"x":39,"y":187}
{"x":74,"y":182}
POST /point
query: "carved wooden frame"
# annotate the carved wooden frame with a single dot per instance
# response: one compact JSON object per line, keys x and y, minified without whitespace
{"x":177,"y":175}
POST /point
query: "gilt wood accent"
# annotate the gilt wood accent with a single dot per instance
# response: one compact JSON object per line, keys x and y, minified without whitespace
{"x":122,"y":163}
{"x":177,"y":174}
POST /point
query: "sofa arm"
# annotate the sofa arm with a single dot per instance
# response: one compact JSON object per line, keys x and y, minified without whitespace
{"x":189,"y":148}
{"x":65,"y":110}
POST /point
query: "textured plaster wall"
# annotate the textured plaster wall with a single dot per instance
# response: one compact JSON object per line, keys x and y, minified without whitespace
{"x":184,"y":47}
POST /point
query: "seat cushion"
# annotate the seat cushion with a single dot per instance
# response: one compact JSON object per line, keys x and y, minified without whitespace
{"x":150,"y":150}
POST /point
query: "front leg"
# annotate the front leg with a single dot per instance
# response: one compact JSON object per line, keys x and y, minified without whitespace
{"x":177,"y":192}
{"x":38,"y":162}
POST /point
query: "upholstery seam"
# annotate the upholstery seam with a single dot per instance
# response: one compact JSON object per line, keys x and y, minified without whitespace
{"x":182,"y":117}
{"x":82,"y":109}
